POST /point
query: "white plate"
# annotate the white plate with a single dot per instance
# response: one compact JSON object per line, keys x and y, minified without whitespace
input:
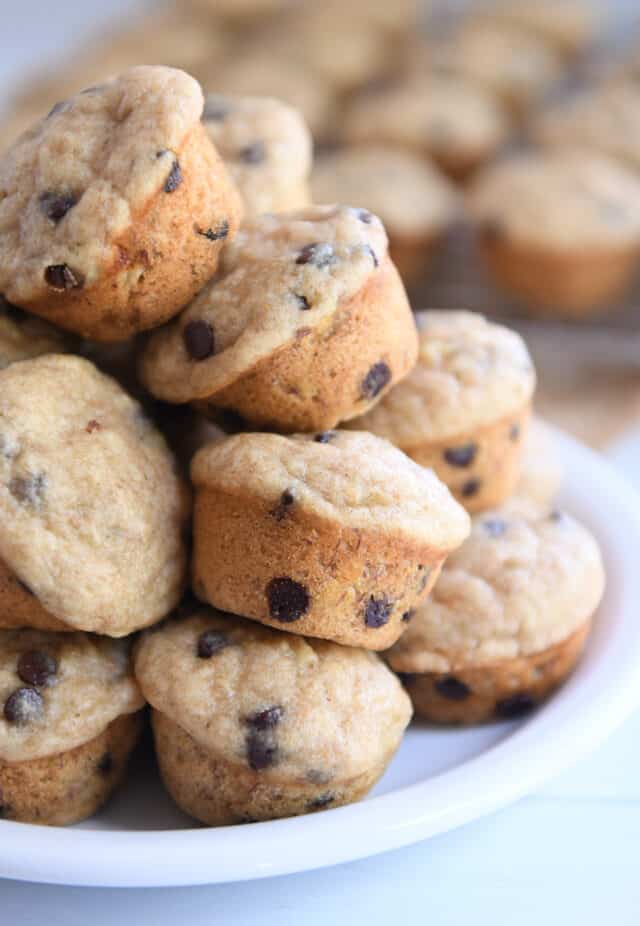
{"x":439,"y":779}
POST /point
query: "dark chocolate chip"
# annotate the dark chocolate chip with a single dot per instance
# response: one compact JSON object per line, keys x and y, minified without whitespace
{"x":375,"y":380}
{"x":288,"y":600}
{"x":61,"y":277}
{"x":461,"y":456}
{"x":319,"y":254}
{"x":518,"y":705}
{"x":56,"y":205}
{"x":210,"y":642}
{"x":556,"y":515}
{"x":323,"y":800}
{"x":514,"y":432}
{"x":377,"y":612}
{"x":318,"y":776}
{"x":37,"y":668}
{"x":57,"y":108}
{"x":470,"y":488}
{"x":266,"y":719}
{"x":199,"y":339}
{"x":406,"y":617}
{"x":215,"y":234}
{"x":364,"y":215}
{"x":283,"y":506}
{"x":324,"y":437}
{"x":452,"y":688}
{"x":372,"y":254}
{"x":303,"y":302}
{"x":216,"y":109}
{"x":92,"y":426}
{"x":29,"y":490}
{"x":262,"y":750}
{"x":24,"y":706}
{"x":495,"y":527}
{"x":174,"y":178}
{"x":255,"y":153}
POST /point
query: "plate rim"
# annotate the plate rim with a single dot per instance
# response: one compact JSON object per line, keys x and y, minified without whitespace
{"x":153,"y":858}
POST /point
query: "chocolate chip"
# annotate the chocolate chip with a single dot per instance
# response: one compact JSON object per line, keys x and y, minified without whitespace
{"x":92,"y":426}
{"x":29,"y":490}
{"x":24,"y":706}
{"x":105,"y":763}
{"x":470,"y":488}
{"x":364,"y":215}
{"x":318,"y":776}
{"x":262,"y":750}
{"x":461,"y":456}
{"x":324,"y":437}
{"x":406,"y":617}
{"x":452,"y":688}
{"x":317,"y":254}
{"x":57,"y":108}
{"x":174,"y":179}
{"x":266,"y":719}
{"x":61,"y":277}
{"x":282,"y":508}
{"x":255,"y":153}
{"x":514,"y":432}
{"x":377,"y":612}
{"x":199,"y":339}
{"x":215,"y":234}
{"x":56,"y":205}
{"x":375,"y":381}
{"x":518,"y":705}
{"x":303,"y":302}
{"x":210,"y":642}
{"x":556,"y":515}
{"x":288,"y":600}
{"x":323,"y":800}
{"x":216,"y":109}
{"x":372,"y":254}
{"x":495,"y":527}
{"x":37,"y":668}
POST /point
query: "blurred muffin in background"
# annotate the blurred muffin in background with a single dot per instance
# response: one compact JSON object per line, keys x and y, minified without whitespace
{"x":416,"y":203}
{"x":445,"y":118}
{"x":559,"y":230}
{"x":541,"y":472}
{"x":571,"y":26}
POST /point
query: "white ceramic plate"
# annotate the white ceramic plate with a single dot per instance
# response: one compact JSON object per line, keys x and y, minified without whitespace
{"x":439,"y":779}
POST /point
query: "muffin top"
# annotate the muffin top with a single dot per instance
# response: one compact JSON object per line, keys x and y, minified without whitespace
{"x":566,"y":200}
{"x":266,"y":146}
{"x":282,"y":276}
{"x":524,"y":580}
{"x":280,"y":703}
{"x":444,"y":115}
{"x":59,"y":691}
{"x":410,"y":195}
{"x":91,"y":509}
{"x":349,"y":477}
{"x":470,"y":372}
{"x":23,"y":336}
{"x":73,"y":183}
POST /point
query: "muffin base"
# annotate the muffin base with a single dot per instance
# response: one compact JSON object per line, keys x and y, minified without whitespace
{"x":68,"y":787}
{"x":492,"y":474}
{"x":573,"y":285}
{"x":19,"y":607}
{"x":315,"y":381}
{"x":414,"y":255}
{"x":164,"y":250}
{"x":241,"y":545}
{"x":504,"y":690}
{"x":219,"y":792}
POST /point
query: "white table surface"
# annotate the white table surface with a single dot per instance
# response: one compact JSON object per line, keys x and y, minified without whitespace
{"x":566,"y":855}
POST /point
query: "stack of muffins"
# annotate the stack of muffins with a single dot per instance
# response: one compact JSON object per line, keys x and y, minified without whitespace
{"x":149,"y":229}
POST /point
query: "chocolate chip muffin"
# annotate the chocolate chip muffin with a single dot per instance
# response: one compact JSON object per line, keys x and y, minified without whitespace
{"x":69,"y":723}
{"x":266,"y":147}
{"x":335,"y":535}
{"x":252,"y":724}
{"x":23,"y":336}
{"x":559,"y":230}
{"x":308,"y":325}
{"x":92,"y":512}
{"x":507,"y":620}
{"x":416,"y":204}
{"x":114,"y":208}
{"x":442,"y":117}
{"x":464,"y":408}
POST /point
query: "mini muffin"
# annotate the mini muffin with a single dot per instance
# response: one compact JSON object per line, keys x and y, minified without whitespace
{"x":112,"y":207}
{"x":252,"y":724}
{"x":541,"y":472}
{"x":92,"y":513}
{"x":515,"y":65}
{"x":604,"y":120}
{"x":336,"y":535}
{"x":266,"y":147}
{"x":416,"y":204}
{"x":22,"y":336}
{"x":70,"y":721}
{"x":559,"y":230}
{"x":507,"y":620}
{"x":308,"y":325}
{"x":464,"y":408}
{"x":446,"y":118}
{"x":571,"y":26}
